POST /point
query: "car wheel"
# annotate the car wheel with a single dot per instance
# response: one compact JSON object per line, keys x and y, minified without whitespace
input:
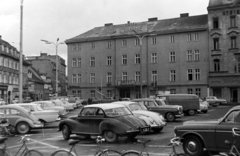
{"x":191,"y":112}
{"x":157,"y":130}
{"x":110,"y":136}
{"x":170,"y":117}
{"x":23,"y":128}
{"x":193,"y":146}
{"x":66,"y":132}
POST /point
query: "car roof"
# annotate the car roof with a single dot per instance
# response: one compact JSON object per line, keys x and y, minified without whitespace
{"x":142,"y":99}
{"x":124,"y":102}
{"x":25,"y":104}
{"x":104,"y":106}
{"x":13,"y":106}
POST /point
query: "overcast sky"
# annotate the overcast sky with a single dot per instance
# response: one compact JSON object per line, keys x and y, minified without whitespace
{"x":64,"y":19}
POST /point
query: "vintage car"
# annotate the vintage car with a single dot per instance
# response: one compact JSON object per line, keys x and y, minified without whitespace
{"x":109,"y":120}
{"x":214,"y":101}
{"x":19,"y":117}
{"x":203,"y":106}
{"x":170,"y":112}
{"x":60,"y":103}
{"x":48,"y":105}
{"x":155,"y":120}
{"x":65,"y":102}
{"x":210,"y":135}
{"x":44,"y":116}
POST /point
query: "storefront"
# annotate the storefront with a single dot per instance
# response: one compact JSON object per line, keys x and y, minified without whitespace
{"x":3,"y":92}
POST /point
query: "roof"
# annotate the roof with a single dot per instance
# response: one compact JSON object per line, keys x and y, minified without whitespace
{"x":218,"y":3}
{"x":158,"y":27}
{"x":104,"y":106}
{"x":194,"y":95}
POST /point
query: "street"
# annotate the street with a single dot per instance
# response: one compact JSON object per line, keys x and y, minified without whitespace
{"x":49,"y":139}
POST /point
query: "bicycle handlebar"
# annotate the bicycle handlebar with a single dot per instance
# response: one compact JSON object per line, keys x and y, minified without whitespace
{"x":234,"y":133}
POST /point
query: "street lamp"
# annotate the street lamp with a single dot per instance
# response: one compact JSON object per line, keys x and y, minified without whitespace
{"x":140,"y":37}
{"x":20,"y":51}
{"x":56,"y":46}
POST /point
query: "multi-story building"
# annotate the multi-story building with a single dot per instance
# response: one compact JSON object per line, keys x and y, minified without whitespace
{"x":224,"y":52}
{"x":46,"y":66}
{"x":140,"y":59}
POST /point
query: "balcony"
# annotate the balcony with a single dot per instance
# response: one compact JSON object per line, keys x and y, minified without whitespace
{"x":126,"y":83}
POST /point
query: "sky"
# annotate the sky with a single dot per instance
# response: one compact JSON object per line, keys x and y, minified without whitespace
{"x":65,"y":19}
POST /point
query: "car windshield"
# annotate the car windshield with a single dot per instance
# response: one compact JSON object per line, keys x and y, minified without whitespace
{"x":39,"y":108}
{"x":120,"y":111}
{"x":161,"y":102}
{"x":51,"y":104}
{"x":135,"y":106}
{"x":58,"y":103}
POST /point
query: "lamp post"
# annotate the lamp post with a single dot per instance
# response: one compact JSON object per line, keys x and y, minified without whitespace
{"x":56,"y":46}
{"x":20,"y":51}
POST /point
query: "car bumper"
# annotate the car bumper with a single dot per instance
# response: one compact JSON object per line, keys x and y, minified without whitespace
{"x":179,"y":115}
{"x":37,"y":126}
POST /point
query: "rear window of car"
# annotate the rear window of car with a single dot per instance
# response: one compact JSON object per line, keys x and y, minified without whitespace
{"x":121,"y":111}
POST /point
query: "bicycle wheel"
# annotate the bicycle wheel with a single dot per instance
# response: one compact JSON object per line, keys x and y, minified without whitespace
{"x":62,"y":152}
{"x":33,"y":153}
{"x":109,"y":153}
{"x":131,"y":153}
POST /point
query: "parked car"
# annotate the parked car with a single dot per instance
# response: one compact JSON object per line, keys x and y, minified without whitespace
{"x":214,"y":101}
{"x":155,"y":120}
{"x":210,"y":135}
{"x":60,"y":103}
{"x":49,"y":105}
{"x":44,"y":116}
{"x":2,"y":102}
{"x":109,"y":120}
{"x":74,"y":105}
{"x":189,"y":102}
{"x":203,"y":106}
{"x":170,"y":112}
{"x":19,"y":117}
{"x":125,"y":99}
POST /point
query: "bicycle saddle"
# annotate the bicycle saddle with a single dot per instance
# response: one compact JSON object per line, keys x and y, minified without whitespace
{"x":73,"y":142}
{"x":3,"y":139}
{"x":143,"y":141}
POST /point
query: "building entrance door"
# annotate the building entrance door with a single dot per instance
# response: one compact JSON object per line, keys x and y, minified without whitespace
{"x":234,"y":95}
{"x":125,"y":93}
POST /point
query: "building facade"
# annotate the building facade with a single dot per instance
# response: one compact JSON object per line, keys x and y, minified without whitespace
{"x":140,"y":59}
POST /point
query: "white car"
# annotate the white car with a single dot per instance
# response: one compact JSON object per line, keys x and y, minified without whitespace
{"x":203,"y":106}
{"x":2,"y":102}
{"x":44,"y":116}
{"x":68,"y":103}
{"x":60,"y":103}
{"x":214,"y":101}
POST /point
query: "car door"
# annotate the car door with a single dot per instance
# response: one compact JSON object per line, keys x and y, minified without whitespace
{"x":224,"y":130}
{"x":13,"y":115}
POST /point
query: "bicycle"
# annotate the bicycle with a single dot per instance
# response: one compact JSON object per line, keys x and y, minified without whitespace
{"x":233,"y":144}
{"x":173,"y":143}
{"x":73,"y":152}
{"x":4,"y":151}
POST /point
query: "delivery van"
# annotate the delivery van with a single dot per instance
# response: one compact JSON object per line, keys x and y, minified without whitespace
{"x":189,"y":102}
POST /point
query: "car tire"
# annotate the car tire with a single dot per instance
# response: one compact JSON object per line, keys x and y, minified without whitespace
{"x":191,"y":112}
{"x":110,"y":136}
{"x":66,"y":132}
{"x":170,"y":117}
{"x":193,"y":146}
{"x":23,"y":128}
{"x":157,"y":130}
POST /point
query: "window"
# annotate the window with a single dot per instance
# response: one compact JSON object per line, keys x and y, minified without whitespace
{"x":79,"y":62}
{"x":1,"y":61}
{"x":137,"y":42}
{"x":190,"y":74}
{"x":109,"y":44}
{"x":74,"y":63}
{"x":92,"y":62}
{"x":216,"y":63}
{"x":232,"y":21}
{"x":173,"y":91}
{"x":215,"y":23}
{"x":5,"y":62}
{"x":10,"y":63}
{"x":189,"y":37}
{"x":138,"y":94}
{"x":74,"y":47}
{"x":172,"y":57}
{"x":154,"y":40}
{"x":109,"y":60}
{"x":79,"y":93}
{"x":92,"y":93}
{"x":189,"y":55}
{"x":124,"y":59}
{"x":124,"y":43}
{"x":109,"y":93}
{"x":196,"y":37}
{"x":109,"y":78}
{"x":171,"y":39}
{"x":197,"y":74}
{"x":233,"y":117}
{"x":137,"y":59}
{"x":74,"y":78}
{"x":79,"y":78}
{"x":93,"y":45}
{"x":137,"y":76}
{"x":198,"y":92}
{"x":196,"y":55}
{"x":154,"y":76}
{"x":215,"y":43}
{"x":190,"y":91}
{"x":233,"y":40}
{"x":238,"y":65}
{"x":79,"y":47}
{"x":172,"y":75}
{"x":92,"y":77}
{"x":124,"y":76}
{"x":154,"y":58}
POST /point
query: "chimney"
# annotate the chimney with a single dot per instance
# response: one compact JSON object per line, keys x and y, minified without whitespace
{"x":152,"y":19}
{"x":184,"y":15}
{"x":43,"y":54}
{"x":108,"y":24}
{"x":128,"y":22}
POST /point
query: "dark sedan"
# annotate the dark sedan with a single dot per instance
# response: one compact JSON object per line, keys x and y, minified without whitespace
{"x":109,"y":120}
